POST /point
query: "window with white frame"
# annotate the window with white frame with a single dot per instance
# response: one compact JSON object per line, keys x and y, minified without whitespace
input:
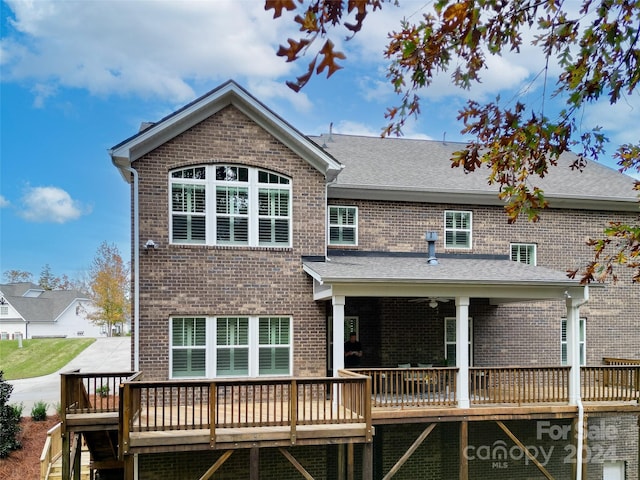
{"x":4,"y":310}
{"x":188,"y":347}
{"x":230,"y":205}
{"x":450,"y":340}
{"x":343,"y":225}
{"x":523,"y":253}
{"x":230,"y":346}
{"x":457,"y":229}
{"x":582,"y":342}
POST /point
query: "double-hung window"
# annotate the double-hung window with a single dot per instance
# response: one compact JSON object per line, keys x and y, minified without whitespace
{"x":457,"y":229}
{"x":582,"y":342}
{"x":188,"y":347}
{"x":232,"y":346}
{"x":274,"y":345}
{"x":523,"y":253}
{"x":343,"y":225}
{"x":230,"y":205}
{"x":450,"y":341}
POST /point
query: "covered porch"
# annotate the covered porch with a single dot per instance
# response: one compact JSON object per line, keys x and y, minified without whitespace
{"x":425,"y":314}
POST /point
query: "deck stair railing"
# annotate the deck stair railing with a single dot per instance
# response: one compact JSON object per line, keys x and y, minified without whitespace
{"x":91,"y":392}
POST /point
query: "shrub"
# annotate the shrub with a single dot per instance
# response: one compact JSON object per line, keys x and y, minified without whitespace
{"x":18,"y":408}
{"x":9,"y":420}
{"x":103,"y":391}
{"x":39,"y":411}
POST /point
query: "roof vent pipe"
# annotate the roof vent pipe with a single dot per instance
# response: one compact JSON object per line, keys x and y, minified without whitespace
{"x":431,"y":238}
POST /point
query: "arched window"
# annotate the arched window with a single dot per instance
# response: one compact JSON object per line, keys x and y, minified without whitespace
{"x":230,"y":205}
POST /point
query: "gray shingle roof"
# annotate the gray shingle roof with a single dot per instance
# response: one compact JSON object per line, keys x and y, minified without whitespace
{"x":415,"y":269}
{"x":47,"y":307}
{"x":382,"y":165}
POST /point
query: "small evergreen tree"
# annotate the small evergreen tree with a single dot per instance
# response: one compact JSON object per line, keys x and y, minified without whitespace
{"x":9,"y":420}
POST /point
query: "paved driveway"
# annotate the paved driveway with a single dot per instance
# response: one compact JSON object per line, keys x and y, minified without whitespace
{"x":103,"y":355}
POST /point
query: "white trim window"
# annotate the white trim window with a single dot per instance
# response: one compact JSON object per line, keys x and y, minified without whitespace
{"x":230,"y":205}
{"x":188,"y":347}
{"x":343,"y":225}
{"x":523,"y":253}
{"x":450,"y":341}
{"x":583,"y":343}
{"x":230,"y":346}
{"x":457,"y":229}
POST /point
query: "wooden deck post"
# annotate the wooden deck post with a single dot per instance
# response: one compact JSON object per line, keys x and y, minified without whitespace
{"x":350,"y":461}
{"x":66,"y":454}
{"x":367,"y":461}
{"x":464,"y":443}
{"x":341,"y":462}
{"x":254,"y":463}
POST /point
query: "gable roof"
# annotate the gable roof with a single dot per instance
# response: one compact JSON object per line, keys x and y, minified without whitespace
{"x":46,"y":307}
{"x":420,"y":170}
{"x":229,"y":93}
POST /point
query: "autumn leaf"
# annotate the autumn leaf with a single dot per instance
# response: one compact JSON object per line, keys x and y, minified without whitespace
{"x":278,"y":6}
{"x":329,"y":59}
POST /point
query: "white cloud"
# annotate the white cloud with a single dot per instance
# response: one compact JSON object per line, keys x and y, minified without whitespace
{"x":145,"y":48}
{"x":4,"y":202}
{"x":50,"y":204}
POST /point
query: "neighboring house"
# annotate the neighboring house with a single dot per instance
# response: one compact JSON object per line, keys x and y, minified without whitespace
{"x":257,"y":249}
{"x":29,"y":311}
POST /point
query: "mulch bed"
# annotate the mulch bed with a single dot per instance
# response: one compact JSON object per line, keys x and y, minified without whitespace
{"x":24,"y":464}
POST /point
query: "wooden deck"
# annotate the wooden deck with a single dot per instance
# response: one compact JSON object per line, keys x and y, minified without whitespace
{"x":227,"y":414}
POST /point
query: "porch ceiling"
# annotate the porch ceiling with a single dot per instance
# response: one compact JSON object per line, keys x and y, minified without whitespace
{"x":501,"y":281}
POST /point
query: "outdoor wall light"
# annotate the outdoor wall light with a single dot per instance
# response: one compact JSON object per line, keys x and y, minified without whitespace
{"x":150,"y":245}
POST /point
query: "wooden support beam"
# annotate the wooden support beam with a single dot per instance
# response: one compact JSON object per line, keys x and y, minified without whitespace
{"x":410,"y":451}
{"x":350,"y":461}
{"x":295,"y":463}
{"x":254,"y":463}
{"x":341,"y":462}
{"x":464,"y":444}
{"x":526,"y":451}
{"x":129,"y":467}
{"x":584,"y":446}
{"x":223,"y":458}
{"x":367,"y":461}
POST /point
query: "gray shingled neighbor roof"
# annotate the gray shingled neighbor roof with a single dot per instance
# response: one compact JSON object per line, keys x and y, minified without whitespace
{"x":47,"y":307}
{"x":420,"y":170}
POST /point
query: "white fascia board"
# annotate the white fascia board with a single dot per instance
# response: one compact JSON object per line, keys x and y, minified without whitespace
{"x":229,"y":94}
{"x":467,"y":197}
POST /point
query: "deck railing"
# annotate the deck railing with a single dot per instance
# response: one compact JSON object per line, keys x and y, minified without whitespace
{"x":614,"y":382}
{"x":411,"y":387}
{"x":265,"y":402}
{"x":90,"y":392}
{"x":518,"y":385}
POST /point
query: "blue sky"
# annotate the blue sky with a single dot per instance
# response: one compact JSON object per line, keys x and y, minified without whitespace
{"x":78,"y":77}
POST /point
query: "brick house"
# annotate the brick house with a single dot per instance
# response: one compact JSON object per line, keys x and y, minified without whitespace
{"x":257,"y":249}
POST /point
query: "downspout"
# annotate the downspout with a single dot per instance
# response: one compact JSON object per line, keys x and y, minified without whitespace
{"x":136,"y":271}
{"x":580,"y":436}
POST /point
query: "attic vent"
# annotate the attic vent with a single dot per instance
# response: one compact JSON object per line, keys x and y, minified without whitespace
{"x":431,"y":238}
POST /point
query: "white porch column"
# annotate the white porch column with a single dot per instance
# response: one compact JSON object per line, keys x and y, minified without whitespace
{"x":338,"y":333}
{"x":574,"y":300}
{"x":462,"y":351}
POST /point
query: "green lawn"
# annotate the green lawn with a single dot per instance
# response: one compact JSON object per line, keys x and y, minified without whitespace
{"x":38,"y":357}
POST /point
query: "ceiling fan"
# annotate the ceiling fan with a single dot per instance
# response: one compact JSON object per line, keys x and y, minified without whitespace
{"x":432,"y":301}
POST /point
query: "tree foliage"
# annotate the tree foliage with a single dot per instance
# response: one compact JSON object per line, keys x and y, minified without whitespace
{"x":109,"y":287}
{"x":17,"y":276}
{"x":597,"y":48}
